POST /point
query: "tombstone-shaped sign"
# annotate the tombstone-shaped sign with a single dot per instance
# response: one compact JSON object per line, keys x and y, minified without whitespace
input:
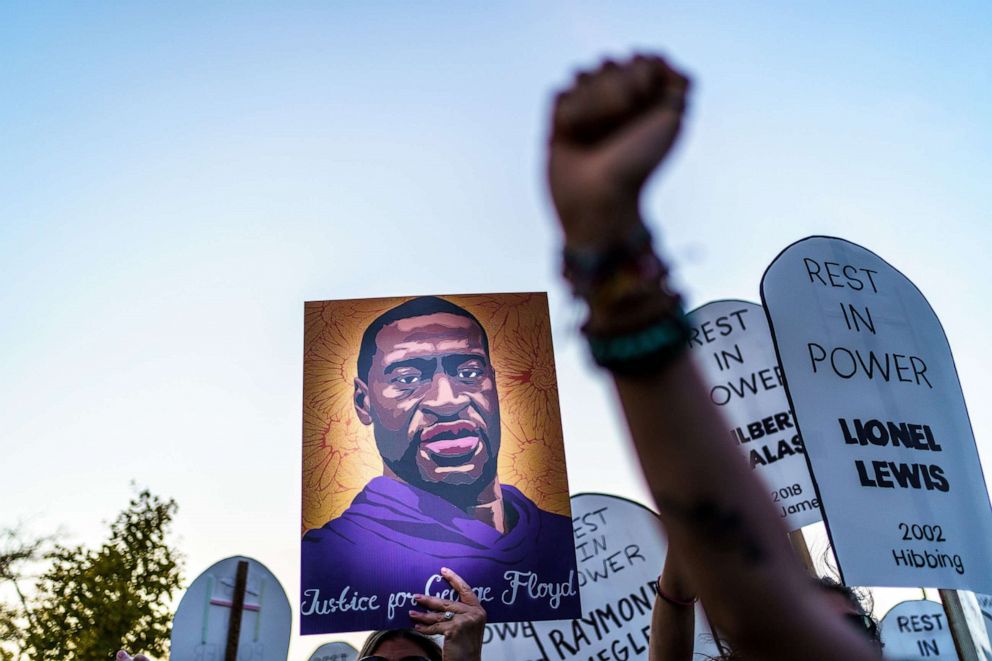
{"x":732,"y":346}
{"x":877,"y":399}
{"x":336,"y":651}
{"x":203,"y":621}
{"x":620,"y":550}
{"x":511,"y":641}
{"x":917,"y":629}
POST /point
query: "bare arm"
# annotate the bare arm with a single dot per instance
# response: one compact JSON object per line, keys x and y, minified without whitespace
{"x":673,"y":623}
{"x":611,"y":129}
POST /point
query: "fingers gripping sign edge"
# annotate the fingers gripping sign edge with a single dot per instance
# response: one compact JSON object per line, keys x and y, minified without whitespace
{"x":465,"y":593}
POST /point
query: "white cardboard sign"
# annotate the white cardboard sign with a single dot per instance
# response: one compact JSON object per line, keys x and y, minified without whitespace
{"x":974,"y":617}
{"x":336,"y":651}
{"x":511,"y":641}
{"x":620,"y":551}
{"x":984,"y":602}
{"x":877,"y":399}
{"x":199,"y":629}
{"x":917,"y":629}
{"x":733,"y":347}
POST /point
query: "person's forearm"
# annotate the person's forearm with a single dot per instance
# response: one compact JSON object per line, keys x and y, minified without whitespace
{"x":610,"y":129}
{"x":672,"y":632}
{"x":673,"y":625}
{"x":717,"y":520}
{"x":721,"y":522}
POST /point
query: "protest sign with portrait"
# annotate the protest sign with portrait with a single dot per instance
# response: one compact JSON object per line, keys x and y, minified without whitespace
{"x":432,"y":438}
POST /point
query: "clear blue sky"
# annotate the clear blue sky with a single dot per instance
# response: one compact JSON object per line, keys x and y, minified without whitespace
{"x":177,"y":178}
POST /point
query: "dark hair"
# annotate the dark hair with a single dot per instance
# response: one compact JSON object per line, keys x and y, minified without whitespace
{"x":377,"y":638}
{"x":856,"y":598}
{"x":415,"y":307}
{"x":861,"y":602}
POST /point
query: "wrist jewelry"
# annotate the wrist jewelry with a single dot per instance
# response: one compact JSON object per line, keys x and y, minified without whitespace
{"x":589,"y":269}
{"x":684,"y":603}
{"x":636,"y":324}
{"x":642,"y":351}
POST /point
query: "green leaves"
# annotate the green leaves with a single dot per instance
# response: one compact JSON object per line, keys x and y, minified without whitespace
{"x":91,"y":602}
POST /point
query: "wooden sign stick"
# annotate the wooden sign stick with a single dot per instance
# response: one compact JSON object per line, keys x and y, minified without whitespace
{"x":958,"y":624}
{"x":237,"y":608}
{"x":798,"y":542}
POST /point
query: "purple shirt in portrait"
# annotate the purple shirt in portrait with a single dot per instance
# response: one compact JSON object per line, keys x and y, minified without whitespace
{"x":395,"y":537}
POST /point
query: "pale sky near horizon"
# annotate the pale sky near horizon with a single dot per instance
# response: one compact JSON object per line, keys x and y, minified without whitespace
{"x":177,"y":179}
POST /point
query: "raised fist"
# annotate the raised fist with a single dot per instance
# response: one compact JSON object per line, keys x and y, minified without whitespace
{"x":609,"y":131}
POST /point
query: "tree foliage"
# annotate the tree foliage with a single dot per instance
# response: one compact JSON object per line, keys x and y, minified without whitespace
{"x":19,"y":553}
{"x":89,"y":603}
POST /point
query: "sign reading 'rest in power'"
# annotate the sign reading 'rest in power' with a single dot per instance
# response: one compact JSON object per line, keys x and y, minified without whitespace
{"x":877,"y":400}
{"x":733,"y":348}
{"x":620,"y":550}
{"x":917,"y":629}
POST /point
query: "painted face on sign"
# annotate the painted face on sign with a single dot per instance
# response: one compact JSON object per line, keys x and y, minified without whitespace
{"x":432,"y":402}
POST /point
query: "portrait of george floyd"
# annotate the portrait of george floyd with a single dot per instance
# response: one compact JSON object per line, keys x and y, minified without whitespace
{"x":432,"y":438}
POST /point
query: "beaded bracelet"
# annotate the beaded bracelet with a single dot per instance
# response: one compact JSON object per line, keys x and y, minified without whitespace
{"x":639,"y":327}
{"x":590,"y":269}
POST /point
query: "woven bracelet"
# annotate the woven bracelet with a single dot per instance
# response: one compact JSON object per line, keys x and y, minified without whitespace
{"x":587,"y":269}
{"x":644,"y":351}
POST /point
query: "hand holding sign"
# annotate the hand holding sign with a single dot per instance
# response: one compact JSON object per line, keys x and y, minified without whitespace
{"x":461,"y":621}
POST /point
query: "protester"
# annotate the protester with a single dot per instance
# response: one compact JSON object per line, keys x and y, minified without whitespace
{"x":610,"y":130}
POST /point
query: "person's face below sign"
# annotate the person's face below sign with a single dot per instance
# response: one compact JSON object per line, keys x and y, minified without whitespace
{"x":431,"y":398}
{"x":397,"y":649}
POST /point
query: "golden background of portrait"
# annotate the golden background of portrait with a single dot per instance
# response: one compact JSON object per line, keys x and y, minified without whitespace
{"x":339,"y":452}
